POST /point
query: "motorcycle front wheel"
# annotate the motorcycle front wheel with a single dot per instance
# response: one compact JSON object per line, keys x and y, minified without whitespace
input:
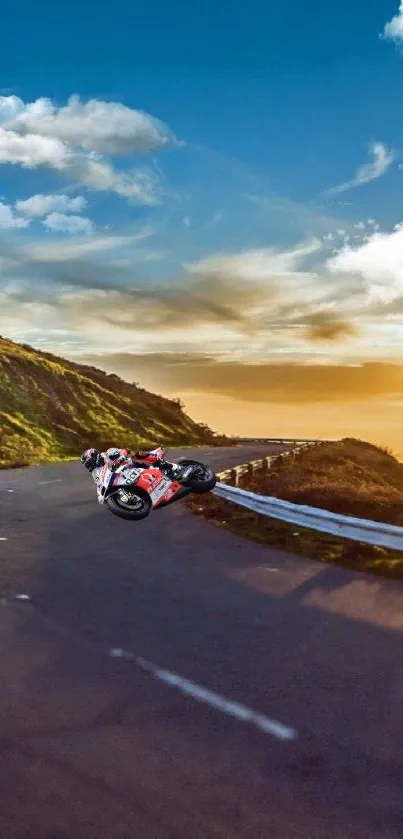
{"x":129,"y":505}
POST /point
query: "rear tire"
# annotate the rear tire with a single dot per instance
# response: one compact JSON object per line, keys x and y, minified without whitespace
{"x":206,"y":485}
{"x":122,"y":510}
{"x":203,"y":484}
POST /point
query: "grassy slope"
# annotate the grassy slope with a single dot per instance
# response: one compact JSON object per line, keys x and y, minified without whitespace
{"x":350,"y":477}
{"x":52,"y":409}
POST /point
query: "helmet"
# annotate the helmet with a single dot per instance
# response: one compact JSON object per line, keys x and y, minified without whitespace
{"x":90,"y":459}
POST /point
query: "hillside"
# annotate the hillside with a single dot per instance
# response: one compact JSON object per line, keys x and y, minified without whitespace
{"x":52,"y":409}
{"x":349,"y":477}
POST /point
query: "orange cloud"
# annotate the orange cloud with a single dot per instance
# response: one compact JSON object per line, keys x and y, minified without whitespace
{"x":181,"y":373}
{"x":323,"y":326}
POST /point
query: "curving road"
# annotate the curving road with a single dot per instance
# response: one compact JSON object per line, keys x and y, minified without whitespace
{"x":167,"y":680}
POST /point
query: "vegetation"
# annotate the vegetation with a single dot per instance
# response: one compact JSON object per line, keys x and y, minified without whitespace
{"x":52,"y":409}
{"x":349,"y":477}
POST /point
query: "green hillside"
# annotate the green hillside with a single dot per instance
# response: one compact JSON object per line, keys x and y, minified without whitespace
{"x":52,"y":409}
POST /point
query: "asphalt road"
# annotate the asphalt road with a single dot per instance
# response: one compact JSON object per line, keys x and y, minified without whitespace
{"x":168,"y":680}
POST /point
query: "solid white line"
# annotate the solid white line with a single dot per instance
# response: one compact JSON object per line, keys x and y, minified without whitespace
{"x":3,"y":538}
{"x":55,"y":481}
{"x":200,"y":694}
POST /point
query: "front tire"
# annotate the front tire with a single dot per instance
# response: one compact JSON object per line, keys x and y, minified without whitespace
{"x":141,"y":508}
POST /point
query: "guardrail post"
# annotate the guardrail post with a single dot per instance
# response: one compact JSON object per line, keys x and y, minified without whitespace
{"x":235,"y":477}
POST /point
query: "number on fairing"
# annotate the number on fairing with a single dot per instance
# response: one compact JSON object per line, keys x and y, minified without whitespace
{"x":131,"y":475}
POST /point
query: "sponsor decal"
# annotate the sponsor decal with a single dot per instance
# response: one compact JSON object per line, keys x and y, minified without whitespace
{"x":160,"y":489}
{"x":170,"y":492}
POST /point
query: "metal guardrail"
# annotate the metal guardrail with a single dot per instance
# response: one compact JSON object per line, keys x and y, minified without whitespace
{"x":348,"y":527}
{"x":263,"y":464}
{"x":297,"y":441}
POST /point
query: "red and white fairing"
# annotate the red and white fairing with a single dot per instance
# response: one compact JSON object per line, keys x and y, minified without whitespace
{"x":153,"y":481}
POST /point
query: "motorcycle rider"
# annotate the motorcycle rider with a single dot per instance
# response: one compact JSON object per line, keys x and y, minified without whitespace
{"x":115,"y":457}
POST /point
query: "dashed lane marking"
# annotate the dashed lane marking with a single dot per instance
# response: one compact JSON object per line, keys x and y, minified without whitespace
{"x":208,"y":697}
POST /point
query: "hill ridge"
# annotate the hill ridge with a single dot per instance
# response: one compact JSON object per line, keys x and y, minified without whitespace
{"x":52,"y":408}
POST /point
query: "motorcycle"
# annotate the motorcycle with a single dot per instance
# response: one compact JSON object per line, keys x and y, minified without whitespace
{"x":131,"y":492}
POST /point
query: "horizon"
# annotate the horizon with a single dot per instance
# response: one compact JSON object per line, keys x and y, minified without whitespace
{"x":280,"y":428}
{"x":213,"y":210}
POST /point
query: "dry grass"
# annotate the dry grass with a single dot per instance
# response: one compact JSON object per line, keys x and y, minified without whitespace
{"x":350,"y":477}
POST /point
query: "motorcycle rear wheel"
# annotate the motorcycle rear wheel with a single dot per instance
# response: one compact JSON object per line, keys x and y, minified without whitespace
{"x":205,"y":481}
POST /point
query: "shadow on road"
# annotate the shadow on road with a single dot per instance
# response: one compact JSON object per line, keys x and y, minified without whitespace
{"x":97,"y":749}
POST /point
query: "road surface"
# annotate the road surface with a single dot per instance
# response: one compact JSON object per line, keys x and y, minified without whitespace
{"x":168,"y":680}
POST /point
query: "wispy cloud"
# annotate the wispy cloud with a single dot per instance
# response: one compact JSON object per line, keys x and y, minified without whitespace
{"x":306,"y":218}
{"x":382,"y":158}
{"x":216,"y":218}
{"x":242,"y":301}
{"x":58,"y":252}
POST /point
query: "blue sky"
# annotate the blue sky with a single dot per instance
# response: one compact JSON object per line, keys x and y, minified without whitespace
{"x":294,"y":91}
{"x":226,"y":176}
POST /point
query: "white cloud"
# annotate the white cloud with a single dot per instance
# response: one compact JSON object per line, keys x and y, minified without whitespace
{"x":187,"y":221}
{"x":378,"y":261}
{"x":139,"y":185}
{"x":55,"y":252}
{"x":107,"y":127}
{"x":382,"y":159}
{"x":40,"y":205}
{"x":61,"y":223}
{"x":256,"y":265}
{"x":394,"y":28}
{"x":71,"y":139}
{"x":9,"y":108}
{"x":8,"y":220}
{"x":32,"y":150}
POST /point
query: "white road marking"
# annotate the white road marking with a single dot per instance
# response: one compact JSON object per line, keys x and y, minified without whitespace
{"x":22,"y":597}
{"x":55,"y":481}
{"x":200,"y":694}
{"x":3,"y":538}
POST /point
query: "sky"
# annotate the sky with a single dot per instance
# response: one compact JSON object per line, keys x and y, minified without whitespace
{"x":206,"y":198}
